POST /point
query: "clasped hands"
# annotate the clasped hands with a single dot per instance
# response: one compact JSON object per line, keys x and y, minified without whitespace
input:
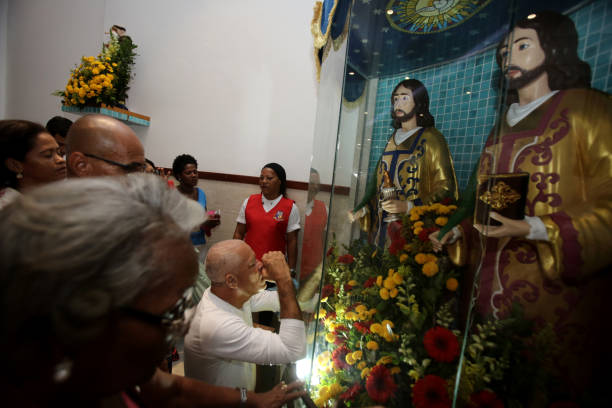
{"x":508,"y":228}
{"x":275,"y":267}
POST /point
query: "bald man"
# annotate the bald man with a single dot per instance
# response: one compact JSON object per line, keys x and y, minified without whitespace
{"x":98,"y":145}
{"x":222,"y":346}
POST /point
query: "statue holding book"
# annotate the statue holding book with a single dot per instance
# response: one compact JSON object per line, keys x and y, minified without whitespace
{"x":555,"y":261}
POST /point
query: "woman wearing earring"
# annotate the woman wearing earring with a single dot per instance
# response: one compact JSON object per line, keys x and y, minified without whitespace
{"x":29,"y":156}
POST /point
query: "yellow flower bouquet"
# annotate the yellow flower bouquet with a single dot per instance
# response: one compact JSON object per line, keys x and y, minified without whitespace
{"x":102,"y":79}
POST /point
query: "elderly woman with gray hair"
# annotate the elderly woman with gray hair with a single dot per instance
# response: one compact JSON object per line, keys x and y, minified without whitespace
{"x":95,"y":283}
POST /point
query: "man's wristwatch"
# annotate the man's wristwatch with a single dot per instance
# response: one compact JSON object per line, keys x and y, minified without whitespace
{"x":243,"y":397}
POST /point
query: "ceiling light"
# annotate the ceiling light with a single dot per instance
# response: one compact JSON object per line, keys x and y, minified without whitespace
{"x":531,"y":16}
{"x":389,"y":12}
{"x":351,"y":73}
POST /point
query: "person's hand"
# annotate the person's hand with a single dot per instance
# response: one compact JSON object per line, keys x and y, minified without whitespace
{"x":438,"y":244}
{"x":509,"y":227}
{"x":354,"y":216}
{"x":275,"y":266}
{"x":395,"y":206}
{"x":278,"y":396}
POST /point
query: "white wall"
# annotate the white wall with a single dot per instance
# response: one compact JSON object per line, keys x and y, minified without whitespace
{"x":3,"y":45}
{"x":231,"y":82}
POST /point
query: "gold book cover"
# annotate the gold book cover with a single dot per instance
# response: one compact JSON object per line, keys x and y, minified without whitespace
{"x":504,"y":194}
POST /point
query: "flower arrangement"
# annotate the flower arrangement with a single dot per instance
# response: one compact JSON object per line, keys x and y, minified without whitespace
{"x":103,"y":79}
{"x":390,"y":333}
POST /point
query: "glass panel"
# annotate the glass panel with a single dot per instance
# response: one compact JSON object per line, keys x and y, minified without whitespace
{"x":485,"y":320}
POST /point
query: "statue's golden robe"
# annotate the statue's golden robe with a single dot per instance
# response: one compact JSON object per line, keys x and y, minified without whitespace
{"x":421,"y":168}
{"x":566,"y":147}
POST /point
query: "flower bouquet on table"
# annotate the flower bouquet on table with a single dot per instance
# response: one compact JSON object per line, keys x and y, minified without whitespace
{"x":103,"y":79}
{"x":390,"y":334}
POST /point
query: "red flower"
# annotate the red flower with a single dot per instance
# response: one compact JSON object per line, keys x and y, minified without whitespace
{"x":369,"y":283}
{"x":338,"y":357}
{"x":394,"y":230}
{"x":346,"y":259}
{"x":347,"y":287}
{"x":327,"y":290}
{"x":441,"y":344}
{"x":351,"y":393}
{"x":330,"y":251}
{"x":425,"y":232}
{"x":430,"y":392}
{"x":380,"y":384}
{"x":485,"y":399}
{"x":362,"y":327}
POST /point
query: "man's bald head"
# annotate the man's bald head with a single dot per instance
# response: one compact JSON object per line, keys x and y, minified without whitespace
{"x":106,"y":139}
{"x":225,"y":257}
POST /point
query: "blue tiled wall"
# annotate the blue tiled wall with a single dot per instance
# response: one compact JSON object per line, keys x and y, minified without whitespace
{"x":463,"y":101}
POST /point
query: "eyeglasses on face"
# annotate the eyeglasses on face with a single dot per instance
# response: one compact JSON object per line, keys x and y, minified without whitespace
{"x":128,"y":168}
{"x":175,"y":321}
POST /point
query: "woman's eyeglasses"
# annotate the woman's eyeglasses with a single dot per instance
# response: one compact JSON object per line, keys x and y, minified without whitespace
{"x":175,"y":321}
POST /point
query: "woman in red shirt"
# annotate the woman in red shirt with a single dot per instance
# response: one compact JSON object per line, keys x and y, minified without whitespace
{"x":270,"y":221}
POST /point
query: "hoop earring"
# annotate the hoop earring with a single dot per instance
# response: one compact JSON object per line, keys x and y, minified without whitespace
{"x":19,"y":176}
{"x":62,"y":370}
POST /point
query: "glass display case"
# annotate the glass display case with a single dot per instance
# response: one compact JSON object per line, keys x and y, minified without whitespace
{"x":458,"y":221}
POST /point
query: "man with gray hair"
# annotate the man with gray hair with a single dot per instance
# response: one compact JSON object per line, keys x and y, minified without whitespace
{"x":222,"y":346}
{"x":102,"y":146}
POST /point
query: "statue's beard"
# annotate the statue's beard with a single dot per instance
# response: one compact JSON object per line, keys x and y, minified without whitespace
{"x":405,"y":117}
{"x":526,"y":77}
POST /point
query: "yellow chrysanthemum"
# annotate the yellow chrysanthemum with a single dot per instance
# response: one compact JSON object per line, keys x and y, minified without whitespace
{"x":386,"y":323}
{"x":417,"y":231}
{"x":441,"y":221}
{"x":330,"y":337}
{"x":420,"y":258}
{"x":335,"y":389}
{"x":393,"y":293}
{"x":361,"y":365}
{"x":379,"y":280}
{"x":350,"y":360}
{"x":365,"y":372}
{"x":357,"y":355}
{"x":452,"y":284}
{"x":418,"y":224}
{"x":376,"y":328}
{"x":397,"y":278}
{"x":414,"y":217}
{"x":361,"y":308}
{"x":384,"y":360}
{"x":403,"y":258}
{"x":430,"y":269}
{"x":389,"y":283}
{"x":384,"y":293}
{"x":324,"y":393}
{"x":372,"y":345}
{"x":351,"y":315}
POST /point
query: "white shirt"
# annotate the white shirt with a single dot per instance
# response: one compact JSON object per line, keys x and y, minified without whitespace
{"x":222,"y":346}
{"x":402,"y":135}
{"x":294,"y":216}
{"x":517,"y":112}
{"x":7,"y":196}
